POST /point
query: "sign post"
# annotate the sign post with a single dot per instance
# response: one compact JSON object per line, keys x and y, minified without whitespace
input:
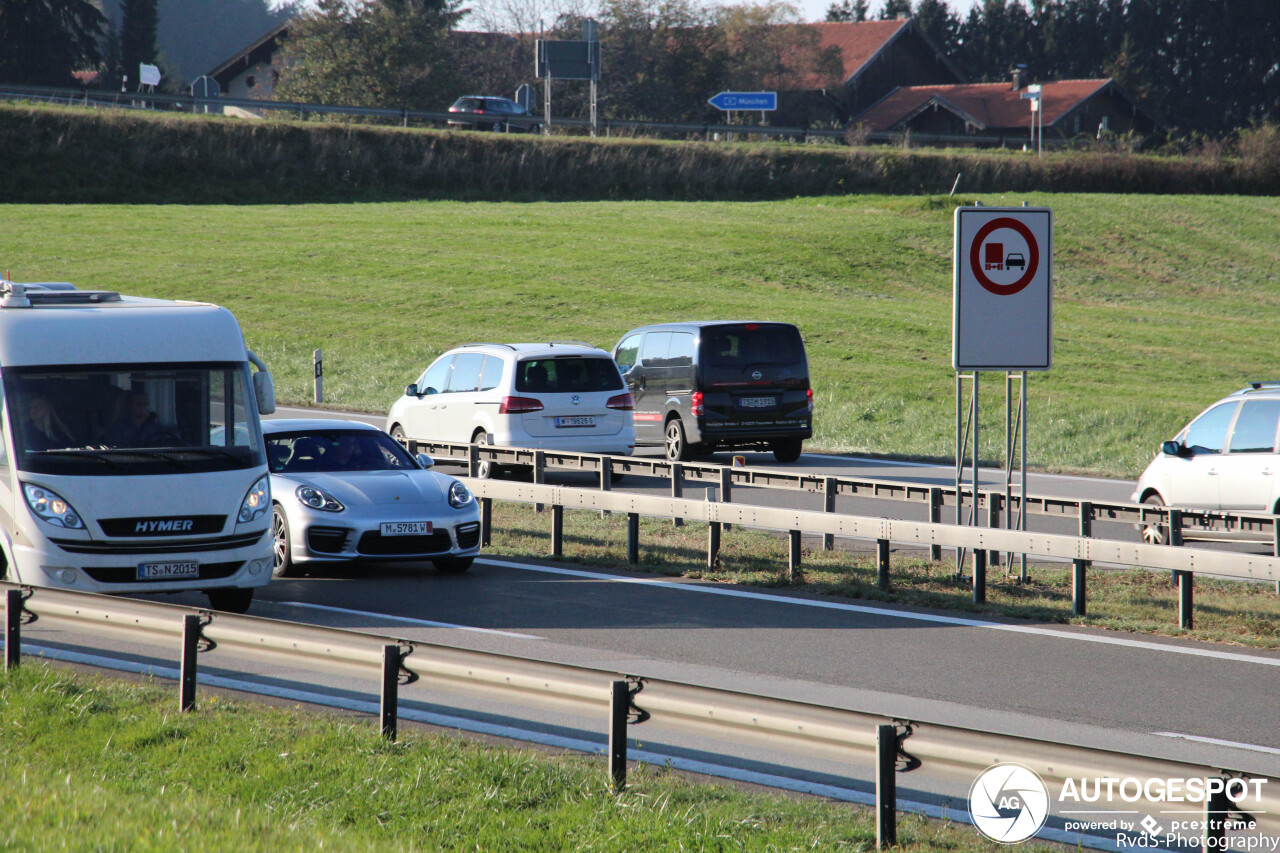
{"x":1002,"y":319}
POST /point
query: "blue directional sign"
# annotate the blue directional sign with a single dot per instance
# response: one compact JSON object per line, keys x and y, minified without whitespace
{"x":745,"y":101}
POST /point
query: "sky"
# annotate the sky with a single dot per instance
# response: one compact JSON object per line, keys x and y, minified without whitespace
{"x":816,"y":10}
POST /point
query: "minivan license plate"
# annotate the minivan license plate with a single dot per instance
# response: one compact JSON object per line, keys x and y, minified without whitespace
{"x":757,"y":402}
{"x":576,"y":421}
{"x":175,"y":569}
{"x":405,"y":528}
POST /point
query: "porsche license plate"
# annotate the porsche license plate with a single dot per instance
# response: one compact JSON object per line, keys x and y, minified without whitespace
{"x":577,"y":421}
{"x":169,"y":570}
{"x":757,"y":402}
{"x":405,"y":528}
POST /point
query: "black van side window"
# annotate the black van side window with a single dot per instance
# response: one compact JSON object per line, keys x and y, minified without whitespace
{"x":680,"y":352}
{"x":627,"y":353}
{"x":653,"y":352}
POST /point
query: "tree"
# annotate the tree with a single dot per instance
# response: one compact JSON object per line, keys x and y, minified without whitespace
{"x":43,"y":41}
{"x":137,"y":36}
{"x":848,"y":10}
{"x":894,"y":9}
{"x":995,"y":36}
{"x":939,"y":23}
{"x":374,"y":53}
{"x":768,"y":48}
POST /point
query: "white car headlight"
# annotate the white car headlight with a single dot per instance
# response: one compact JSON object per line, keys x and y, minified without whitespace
{"x":459,"y":494}
{"x":256,"y":501}
{"x":319,"y":499}
{"x":50,"y":507}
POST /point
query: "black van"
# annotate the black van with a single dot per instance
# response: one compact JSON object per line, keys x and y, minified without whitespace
{"x":706,"y":386}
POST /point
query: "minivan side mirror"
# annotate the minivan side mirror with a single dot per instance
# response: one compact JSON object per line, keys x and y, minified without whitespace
{"x":411,"y":390}
{"x":1173,"y":448}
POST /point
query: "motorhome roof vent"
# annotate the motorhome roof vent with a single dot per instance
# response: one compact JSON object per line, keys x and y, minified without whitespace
{"x":17,"y":294}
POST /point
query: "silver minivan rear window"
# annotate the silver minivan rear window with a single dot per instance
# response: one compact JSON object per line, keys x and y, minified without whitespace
{"x":567,"y":375}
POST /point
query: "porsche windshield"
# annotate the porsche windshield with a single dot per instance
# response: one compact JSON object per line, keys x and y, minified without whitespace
{"x":132,"y":419}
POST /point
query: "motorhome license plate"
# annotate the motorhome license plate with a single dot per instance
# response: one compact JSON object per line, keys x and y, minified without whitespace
{"x":757,"y":402}
{"x":405,"y":528}
{"x":162,"y":571}
{"x":576,"y":421}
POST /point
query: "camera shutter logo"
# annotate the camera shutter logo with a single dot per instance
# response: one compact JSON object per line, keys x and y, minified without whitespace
{"x":1008,"y":802}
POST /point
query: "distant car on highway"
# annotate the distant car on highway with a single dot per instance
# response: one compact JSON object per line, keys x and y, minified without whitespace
{"x":345,"y":491}
{"x":561,"y":395}
{"x":484,"y":112}
{"x":1224,"y":459}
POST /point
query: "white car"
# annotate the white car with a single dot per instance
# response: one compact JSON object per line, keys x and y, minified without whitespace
{"x":344,"y":491}
{"x":1225,"y":459}
{"x":552,"y":396}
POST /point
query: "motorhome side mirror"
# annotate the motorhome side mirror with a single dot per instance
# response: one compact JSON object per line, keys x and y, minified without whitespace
{"x":1171,"y":448}
{"x":411,"y":390}
{"x":264,"y":389}
{"x":425,"y":461}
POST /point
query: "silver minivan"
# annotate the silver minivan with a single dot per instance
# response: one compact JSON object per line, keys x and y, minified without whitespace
{"x":1224,"y":459}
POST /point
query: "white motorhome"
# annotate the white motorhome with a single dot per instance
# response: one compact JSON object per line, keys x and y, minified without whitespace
{"x":132,"y":456}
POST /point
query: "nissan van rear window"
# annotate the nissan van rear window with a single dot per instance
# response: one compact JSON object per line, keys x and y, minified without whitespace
{"x":752,"y":344}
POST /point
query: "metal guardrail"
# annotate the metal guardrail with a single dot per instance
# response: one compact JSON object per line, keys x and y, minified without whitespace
{"x":891,"y":746}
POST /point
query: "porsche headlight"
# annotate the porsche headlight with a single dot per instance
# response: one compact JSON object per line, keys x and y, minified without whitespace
{"x":50,"y":507}
{"x":459,"y":494}
{"x":319,"y":499}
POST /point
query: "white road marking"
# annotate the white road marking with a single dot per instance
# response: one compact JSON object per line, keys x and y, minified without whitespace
{"x":1216,"y":742}
{"x":426,"y":623}
{"x":893,"y":614}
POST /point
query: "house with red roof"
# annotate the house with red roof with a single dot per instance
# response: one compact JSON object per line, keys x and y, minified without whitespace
{"x":999,"y":114}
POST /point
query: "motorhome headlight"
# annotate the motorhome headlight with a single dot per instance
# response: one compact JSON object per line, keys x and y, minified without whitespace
{"x":459,"y":494}
{"x":50,"y":507}
{"x":256,"y":502}
{"x":319,"y":499}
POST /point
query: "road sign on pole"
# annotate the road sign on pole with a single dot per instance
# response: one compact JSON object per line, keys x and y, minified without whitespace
{"x":1003,"y":289}
{"x":729,"y":101}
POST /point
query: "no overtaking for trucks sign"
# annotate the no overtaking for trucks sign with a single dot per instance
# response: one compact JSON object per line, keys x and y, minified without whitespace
{"x":1003,"y":303}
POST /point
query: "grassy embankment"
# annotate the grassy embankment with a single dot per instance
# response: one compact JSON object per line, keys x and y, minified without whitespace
{"x":91,"y":764}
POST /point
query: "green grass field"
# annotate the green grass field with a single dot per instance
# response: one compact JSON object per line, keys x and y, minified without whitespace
{"x":1162,"y":304}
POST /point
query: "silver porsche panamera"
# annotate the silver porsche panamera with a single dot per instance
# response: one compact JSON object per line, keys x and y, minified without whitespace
{"x":344,"y":491}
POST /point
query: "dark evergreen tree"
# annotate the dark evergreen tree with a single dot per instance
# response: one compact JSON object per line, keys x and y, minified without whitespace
{"x":939,"y":23}
{"x":42,"y":42}
{"x":848,"y":10}
{"x":893,"y":9}
{"x":138,"y":19}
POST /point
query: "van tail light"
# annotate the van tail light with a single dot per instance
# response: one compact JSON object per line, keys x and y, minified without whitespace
{"x":695,"y":404}
{"x":808,"y":393}
{"x":622,"y":402}
{"x":516,"y":405}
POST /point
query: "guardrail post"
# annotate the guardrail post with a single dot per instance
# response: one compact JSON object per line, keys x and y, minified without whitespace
{"x":882,"y":563}
{"x":633,"y":538}
{"x":1186,"y":583}
{"x":828,"y":505}
{"x":935,"y":517}
{"x":1079,"y":568}
{"x":726,"y":491}
{"x":187,"y":670}
{"x":557,"y":530}
{"x":1175,"y":534}
{"x":994,"y":502}
{"x":539,"y":473}
{"x":713,"y":536}
{"x":606,"y":480}
{"x":12,"y":628}
{"x":486,"y":521}
{"x":677,"y":488}
{"x":473,"y":461}
{"x":886,"y":786}
{"x":979,"y":576}
{"x":390,"y":689}
{"x":1217,"y":808}
{"x":793,"y":555}
{"x":619,"y":707}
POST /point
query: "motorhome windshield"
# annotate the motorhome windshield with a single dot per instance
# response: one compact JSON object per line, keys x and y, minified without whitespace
{"x":132,"y":419}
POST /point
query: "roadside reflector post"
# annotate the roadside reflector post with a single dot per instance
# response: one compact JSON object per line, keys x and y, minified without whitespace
{"x":793,"y":555}
{"x":486,"y":521}
{"x":12,"y":628}
{"x":633,"y":539}
{"x":882,"y":563}
{"x":557,"y":530}
{"x":677,"y":488}
{"x":1079,"y":568}
{"x":318,"y":364}
{"x":539,"y":473}
{"x":886,"y":786}
{"x":473,"y":461}
{"x":1217,"y":808}
{"x":1186,"y":596}
{"x":619,"y":706}
{"x":1275,"y":545}
{"x":828,"y":505}
{"x":187,"y":669}
{"x":713,"y":535}
{"x":390,"y":689}
{"x":726,"y":490}
{"x":979,"y":576}
{"x":935,"y":517}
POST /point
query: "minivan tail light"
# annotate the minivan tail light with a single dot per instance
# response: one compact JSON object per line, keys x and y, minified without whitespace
{"x":623,"y":402}
{"x":808,"y":393}
{"x":695,"y":404}
{"x":516,"y":405}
